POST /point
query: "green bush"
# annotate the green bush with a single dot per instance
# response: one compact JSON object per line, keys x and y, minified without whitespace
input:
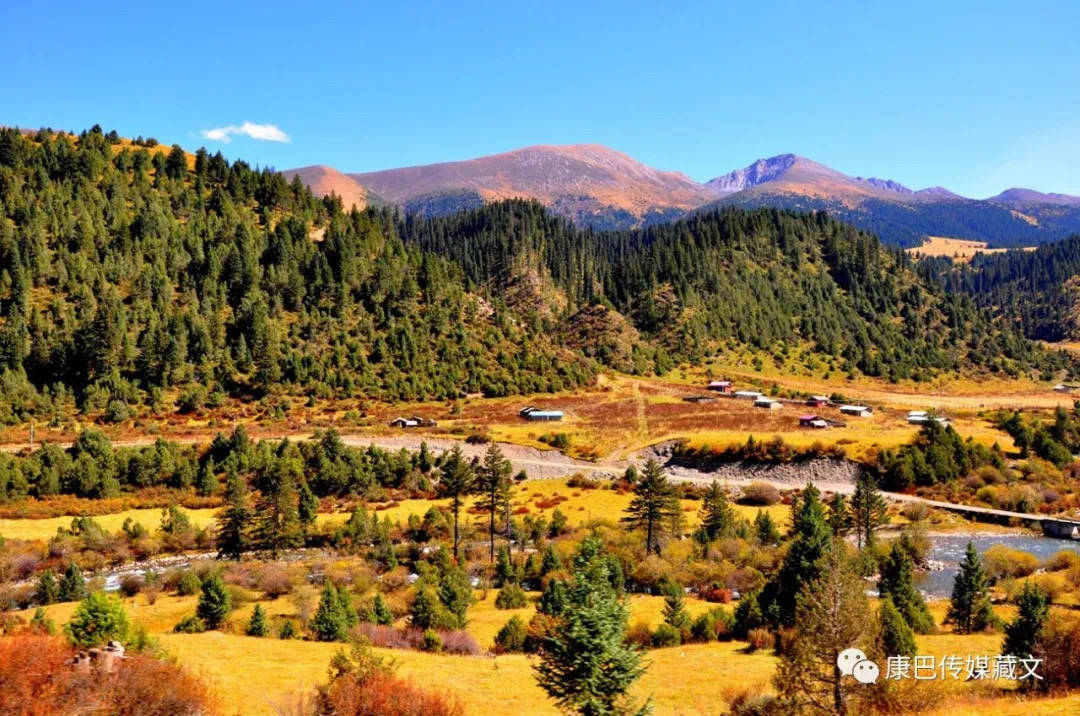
{"x":512,"y":596}
{"x":188,"y":583}
{"x":190,"y":624}
{"x":512,"y":636}
{"x":666,"y":635}
{"x":431,"y":642}
{"x":97,"y":620}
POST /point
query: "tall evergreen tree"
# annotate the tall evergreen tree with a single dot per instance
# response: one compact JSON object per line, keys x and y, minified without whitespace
{"x":832,"y":614}
{"x":811,"y":540}
{"x":765,"y":528}
{"x":48,"y":591}
{"x":717,"y":515}
{"x":840,"y":518}
{"x":652,"y":506}
{"x":456,"y":481}
{"x":969,"y":609}
{"x":585,"y":664}
{"x":234,"y":522}
{"x":494,"y":488}
{"x":868,"y":510}
{"x":1022,"y":633}
{"x":896,"y":582}
{"x":895,"y":636}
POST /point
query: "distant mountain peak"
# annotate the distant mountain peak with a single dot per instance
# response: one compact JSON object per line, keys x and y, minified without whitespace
{"x":1021,"y":196}
{"x":760,"y":172}
{"x":887,"y":185}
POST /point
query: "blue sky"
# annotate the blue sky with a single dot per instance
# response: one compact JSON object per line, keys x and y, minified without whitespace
{"x":976,"y":96}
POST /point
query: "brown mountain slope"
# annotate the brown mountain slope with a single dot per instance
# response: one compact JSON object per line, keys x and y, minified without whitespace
{"x":325,"y":180}
{"x":549,"y":174}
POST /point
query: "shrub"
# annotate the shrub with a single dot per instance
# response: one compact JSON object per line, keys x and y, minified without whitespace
{"x":383,"y":694}
{"x":760,"y":493}
{"x":432,"y":641}
{"x":37,"y":679}
{"x":512,"y":636}
{"x":1058,"y":646}
{"x":97,"y":620}
{"x":459,"y":641}
{"x":1000,"y":561}
{"x":274,"y":582}
{"x":759,"y":638}
{"x":1064,"y":559}
{"x":117,"y":412}
{"x":288,"y":630}
{"x":915,"y":511}
{"x":666,"y":635}
{"x":512,"y":596}
{"x":131,"y":584}
{"x":190,"y":624}
{"x":188,"y":583}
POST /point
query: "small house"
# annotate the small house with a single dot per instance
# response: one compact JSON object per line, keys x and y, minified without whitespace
{"x":767,"y":403}
{"x":538,"y":415}
{"x":747,"y":394}
{"x":721,"y":386}
{"x":400,"y":422}
{"x":817,"y":401}
{"x":860,"y":411}
{"x":812,"y":421}
{"x":1064,"y":388}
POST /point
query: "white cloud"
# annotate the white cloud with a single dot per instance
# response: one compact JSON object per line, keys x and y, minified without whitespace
{"x":263,"y":132}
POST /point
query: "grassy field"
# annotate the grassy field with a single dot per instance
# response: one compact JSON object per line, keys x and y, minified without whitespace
{"x":961,"y":250}
{"x":533,"y":497}
{"x":258,"y":675}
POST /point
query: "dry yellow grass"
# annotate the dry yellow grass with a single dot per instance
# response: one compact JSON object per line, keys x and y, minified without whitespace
{"x":46,"y":528}
{"x":959,"y":249}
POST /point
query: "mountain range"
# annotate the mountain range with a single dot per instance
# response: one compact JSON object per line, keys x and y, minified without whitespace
{"x":601,"y":188}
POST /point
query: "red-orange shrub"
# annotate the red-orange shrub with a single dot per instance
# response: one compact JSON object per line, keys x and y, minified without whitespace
{"x":36,"y":677}
{"x":384,"y":695}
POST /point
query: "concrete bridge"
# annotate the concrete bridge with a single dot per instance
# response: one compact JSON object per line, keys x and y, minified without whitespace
{"x":1051,"y":526}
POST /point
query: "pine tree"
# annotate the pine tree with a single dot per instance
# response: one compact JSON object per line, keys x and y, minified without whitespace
{"x":550,"y":561}
{"x":504,"y":568}
{"x":896,"y":582}
{"x":675,"y":613}
{"x":765,"y":528}
{"x":652,"y":506}
{"x":895,"y":636}
{"x":494,"y":487}
{"x":234,"y":523}
{"x":72,"y":586}
{"x":257,"y":626}
{"x":48,"y":591}
{"x":970,"y":610}
{"x":585,"y":664}
{"x":811,"y":540}
{"x":382,"y":612}
{"x":717,"y":515}
{"x":277,"y":524}
{"x":868,"y":510}
{"x":832,"y":614}
{"x":553,"y":599}
{"x":840,"y":519}
{"x":214,"y":602}
{"x":456,"y":482}
{"x":307,"y":507}
{"x":1022,"y":634}
{"x":330,"y":622}
{"x":207,"y":483}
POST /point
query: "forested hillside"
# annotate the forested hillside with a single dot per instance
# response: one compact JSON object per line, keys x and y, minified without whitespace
{"x":766,"y":278}
{"x":134,"y":275}
{"x":1037,"y":291}
{"x":127,"y":276}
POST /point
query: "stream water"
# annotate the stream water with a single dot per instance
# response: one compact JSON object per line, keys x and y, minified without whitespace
{"x":949,"y":550}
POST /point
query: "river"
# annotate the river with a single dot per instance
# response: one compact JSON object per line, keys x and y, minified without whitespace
{"x":949,"y":550}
